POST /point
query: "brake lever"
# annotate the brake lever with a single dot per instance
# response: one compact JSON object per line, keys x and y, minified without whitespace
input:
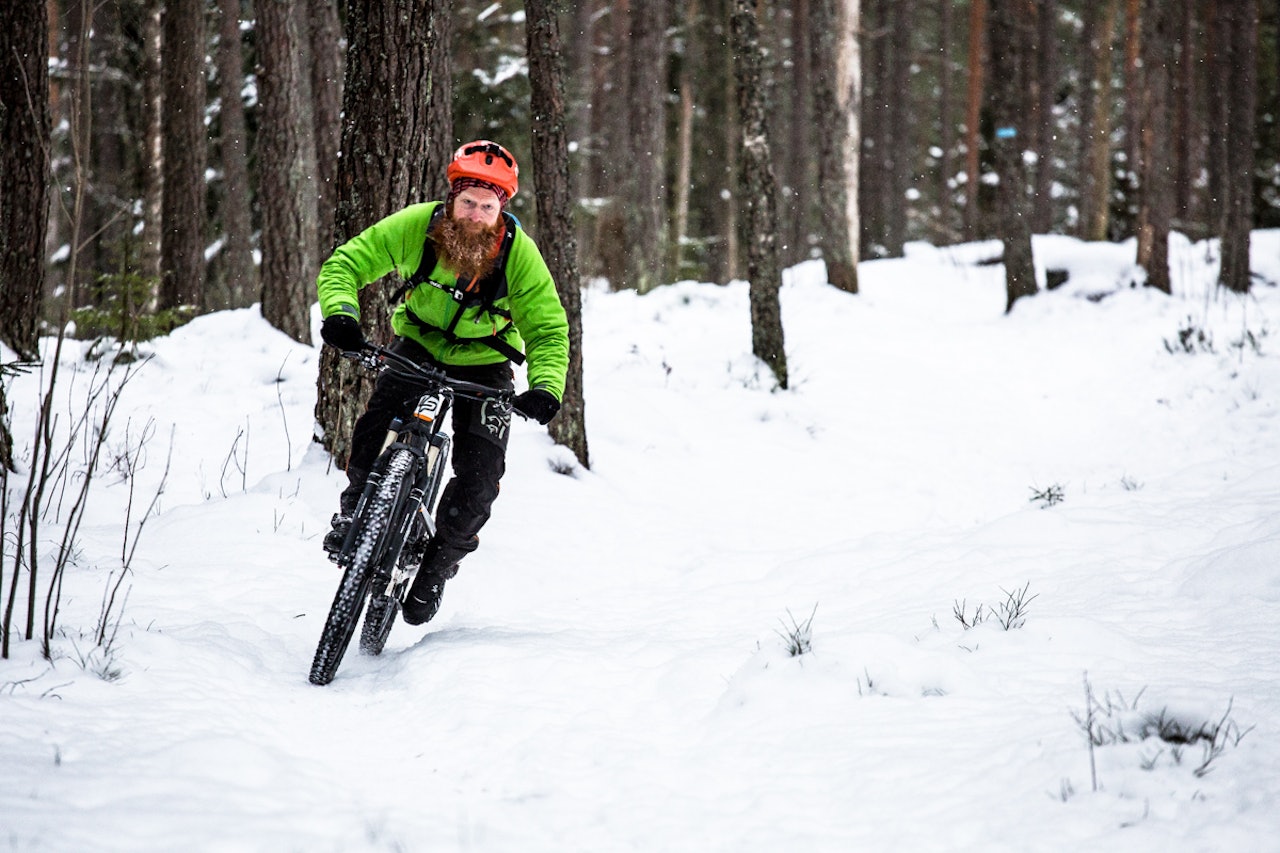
{"x":369,"y":357}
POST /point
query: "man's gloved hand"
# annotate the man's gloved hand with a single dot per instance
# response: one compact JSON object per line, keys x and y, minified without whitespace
{"x":537,"y":404}
{"x":342,"y":331}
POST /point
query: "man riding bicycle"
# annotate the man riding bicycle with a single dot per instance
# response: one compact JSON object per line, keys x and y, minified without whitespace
{"x":478,"y":298}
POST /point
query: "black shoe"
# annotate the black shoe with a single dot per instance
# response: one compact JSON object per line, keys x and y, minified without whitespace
{"x":423,"y":600}
{"x":334,"y":538}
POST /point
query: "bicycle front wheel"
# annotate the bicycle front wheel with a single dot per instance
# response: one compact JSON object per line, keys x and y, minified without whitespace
{"x":368,"y":548}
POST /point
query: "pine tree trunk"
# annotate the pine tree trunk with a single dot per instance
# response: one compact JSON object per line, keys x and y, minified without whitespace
{"x":79,"y":123}
{"x":325,"y":38}
{"x":973,"y":116}
{"x":873,"y":164}
{"x":728,"y":214}
{"x":684,"y":150}
{"x":1008,"y":87}
{"x":240,"y":276}
{"x":836,"y":71}
{"x":583,"y":71}
{"x":607,"y":169}
{"x":440,"y":142}
{"x":108,"y":236}
{"x":945,"y":227}
{"x":1241,"y":30}
{"x":24,"y":176}
{"x":684,"y":174}
{"x":1095,"y":122}
{"x":152,"y":164}
{"x":759,"y":192}
{"x":1219,"y":74}
{"x":183,"y":216}
{"x":1046,"y":86}
{"x":1127,"y":186}
{"x":555,"y":207}
{"x":1185,"y":121}
{"x":391,"y":47}
{"x":900,"y":145}
{"x":287,"y":154}
{"x":799,"y":172}
{"x":1154,"y":167}
{"x":646,"y":196}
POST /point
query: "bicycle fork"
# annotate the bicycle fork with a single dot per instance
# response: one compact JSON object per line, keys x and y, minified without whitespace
{"x":418,"y":525}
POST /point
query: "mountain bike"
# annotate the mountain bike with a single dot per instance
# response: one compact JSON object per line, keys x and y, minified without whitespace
{"x":394,"y":519}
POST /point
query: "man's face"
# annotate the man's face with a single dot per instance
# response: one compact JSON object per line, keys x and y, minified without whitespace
{"x":477,"y":205}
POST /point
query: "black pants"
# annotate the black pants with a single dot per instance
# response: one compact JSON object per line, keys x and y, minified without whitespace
{"x":479,"y":448}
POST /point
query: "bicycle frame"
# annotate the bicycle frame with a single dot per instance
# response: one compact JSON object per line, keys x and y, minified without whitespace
{"x":423,"y":436}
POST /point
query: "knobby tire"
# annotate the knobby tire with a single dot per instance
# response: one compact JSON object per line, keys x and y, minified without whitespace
{"x":380,"y":615}
{"x":367,"y":550}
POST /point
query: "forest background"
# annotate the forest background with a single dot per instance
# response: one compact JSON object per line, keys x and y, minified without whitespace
{"x":193,"y":151}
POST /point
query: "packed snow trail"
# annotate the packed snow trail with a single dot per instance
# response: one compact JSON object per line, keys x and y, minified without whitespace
{"x":608,"y":671}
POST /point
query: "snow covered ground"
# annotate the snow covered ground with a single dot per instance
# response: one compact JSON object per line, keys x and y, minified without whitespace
{"x":610,"y":671}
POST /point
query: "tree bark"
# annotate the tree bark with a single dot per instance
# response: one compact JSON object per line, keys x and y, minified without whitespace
{"x":875,"y":106}
{"x":183,"y":216}
{"x":1008,"y":88}
{"x":684,"y":148}
{"x":1132,"y":121}
{"x":800,"y":174}
{"x":583,"y":71}
{"x":324,"y":36}
{"x":837,"y":86}
{"x":1046,"y":85}
{"x":759,"y":191}
{"x":900,"y":147}
{"x":79,"y":124}
{"x":440,"y":131}
{"x":388,"y":122}
{"x":1241,"y":60}
{"x":24,"y":174}
{"x":1186,"y":121}
{"x":1154,"y":166}
{"x":607,"y":167}
{"x":973,"y":115}
{"x":153,"y":150}
{"x":944,"y":227}
{"x":555,"y":207}
{"x":646,"y":196}
{"x":240,"y":276}
{"x":287,"y":153}
{"x":1095,"y":121}
{"x":729,"y":213}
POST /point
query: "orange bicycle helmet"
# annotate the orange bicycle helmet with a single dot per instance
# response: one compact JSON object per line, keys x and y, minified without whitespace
{"x":488,"y":162}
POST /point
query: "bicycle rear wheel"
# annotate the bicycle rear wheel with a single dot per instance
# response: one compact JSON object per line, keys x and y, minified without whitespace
{"x":369,"y":547}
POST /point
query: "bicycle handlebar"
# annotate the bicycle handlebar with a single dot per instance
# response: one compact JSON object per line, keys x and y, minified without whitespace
{"x":373,"y":357}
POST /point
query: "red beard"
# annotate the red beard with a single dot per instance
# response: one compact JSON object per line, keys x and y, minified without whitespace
{"x":468,"y":249}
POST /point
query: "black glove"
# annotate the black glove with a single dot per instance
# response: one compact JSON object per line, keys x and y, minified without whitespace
{"x":342,"y":331}
{"x":536,"y":404}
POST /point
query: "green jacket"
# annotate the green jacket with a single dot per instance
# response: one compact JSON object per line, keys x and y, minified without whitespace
{"x":537,"y":327}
